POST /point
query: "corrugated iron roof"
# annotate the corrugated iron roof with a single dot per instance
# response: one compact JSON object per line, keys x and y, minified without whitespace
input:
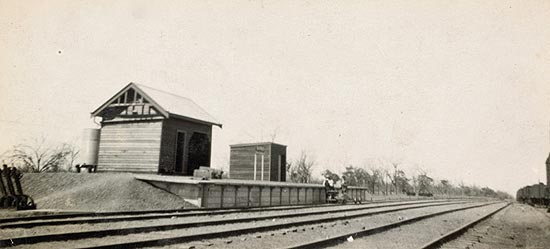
{"x":255,"y":144}
{"x":178,"y":105}
{"x":169,"y":103}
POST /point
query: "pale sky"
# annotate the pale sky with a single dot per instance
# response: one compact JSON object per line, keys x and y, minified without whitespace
{"x":460,"y":88}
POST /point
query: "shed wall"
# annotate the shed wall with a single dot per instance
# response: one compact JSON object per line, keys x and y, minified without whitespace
{"x":130,"y":147}
{"x":170,"y":129}
{"x":241,"y":162}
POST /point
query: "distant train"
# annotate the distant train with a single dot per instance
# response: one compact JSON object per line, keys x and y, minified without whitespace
{"x":538,"y":194}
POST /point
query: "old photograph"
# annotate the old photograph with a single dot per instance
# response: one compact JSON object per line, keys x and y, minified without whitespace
{"x":275,"y":124}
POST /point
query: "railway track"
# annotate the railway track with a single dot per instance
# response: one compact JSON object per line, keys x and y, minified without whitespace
{"x":170,"y":211}
{"x":342,"y":238}
{"x":251,"y":224}
{"x":142,"y":212}
{"x":109,"y":217}
{"x":438,"y":242}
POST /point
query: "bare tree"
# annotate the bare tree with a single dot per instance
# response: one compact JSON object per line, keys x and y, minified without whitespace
{"x":424,"y":182}
{"x":302,"y":169}
{"x":377,"y":179}
{"x":72,"y":156}
{"x":289,"y":167}
{"x":40,"y":157}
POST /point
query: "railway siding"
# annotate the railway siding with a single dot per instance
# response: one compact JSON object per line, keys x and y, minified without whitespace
{"x":187,"y":220}
{"x":518,"y":226}
{"x":298,"y":235}
{"x":226,"y":230}
{"x":417,"y":234}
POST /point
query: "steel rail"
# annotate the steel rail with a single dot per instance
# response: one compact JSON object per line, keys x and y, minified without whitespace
{"x":137,"y":212}
{"x":143,"y":229}
{"x":362,"y":233}
{"x":437,"y":243}
{"x":186,"y":214}
{"x":235,"y":232}
{"x":165,"y":211}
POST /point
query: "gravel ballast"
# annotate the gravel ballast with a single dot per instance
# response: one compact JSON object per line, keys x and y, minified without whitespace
{"x":299,"y":234}
{"x":20,"y":232}
{"x":221,"y":244}
{"x":518,"y":226}
{"x":417,"y":234}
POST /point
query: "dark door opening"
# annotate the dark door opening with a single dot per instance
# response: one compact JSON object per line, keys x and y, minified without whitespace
{"x":282,"y":168}
{"x":180,"y":148}
{"x":199,"y":152}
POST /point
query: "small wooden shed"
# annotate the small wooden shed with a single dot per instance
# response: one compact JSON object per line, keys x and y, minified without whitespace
{"x":147,"y":130}
{"x":258,"y":162}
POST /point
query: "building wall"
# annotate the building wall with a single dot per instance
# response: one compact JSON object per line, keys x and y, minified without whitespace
{"x":170,"y":129}
{"x":130,"y":146}
{"x":242,"y":161}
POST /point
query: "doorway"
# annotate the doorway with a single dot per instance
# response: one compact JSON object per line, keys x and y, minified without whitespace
{"x":199,"y":152}
{"x":180,"y":152}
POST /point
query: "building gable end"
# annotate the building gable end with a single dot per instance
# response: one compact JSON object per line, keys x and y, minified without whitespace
{"x":130,"y":103}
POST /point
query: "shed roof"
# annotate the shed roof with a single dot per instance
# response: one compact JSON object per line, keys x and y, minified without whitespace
{"x":170,"y":104}
{"x":255,"y":144}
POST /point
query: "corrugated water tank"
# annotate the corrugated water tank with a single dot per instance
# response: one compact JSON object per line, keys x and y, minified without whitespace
{"x":90,"y":146}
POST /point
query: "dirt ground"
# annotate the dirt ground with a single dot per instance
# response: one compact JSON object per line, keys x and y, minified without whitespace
{"x":96,"y":192}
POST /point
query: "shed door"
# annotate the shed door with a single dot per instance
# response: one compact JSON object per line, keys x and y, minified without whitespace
{"x":199,"y":152}
{"x":180,"y":148}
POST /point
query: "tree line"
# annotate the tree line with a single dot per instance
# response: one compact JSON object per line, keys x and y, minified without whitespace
{"x":41,"y":156}
{"x":386,"y":180}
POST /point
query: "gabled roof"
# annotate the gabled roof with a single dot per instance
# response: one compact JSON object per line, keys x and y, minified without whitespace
{"x":255,"y":144}
{"x":548,"y":162}
{"x":169,"y":104}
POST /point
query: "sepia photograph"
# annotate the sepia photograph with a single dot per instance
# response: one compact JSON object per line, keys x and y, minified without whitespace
{"x":205,"y":124}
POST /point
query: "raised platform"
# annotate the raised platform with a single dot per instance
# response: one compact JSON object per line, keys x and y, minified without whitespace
{"x":229,"y":193}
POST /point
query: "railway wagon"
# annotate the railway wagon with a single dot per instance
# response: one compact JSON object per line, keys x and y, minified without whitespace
{"x":537,"y":194}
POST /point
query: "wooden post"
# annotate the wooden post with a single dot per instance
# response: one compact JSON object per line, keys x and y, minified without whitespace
{"x":255,"y":164}
{"x":204,"y":202}
{"x":262,"y":177}
{"x":221,"y":200}
{"x":270,"y":196}
{"x":236,"y":194}
{"x":248,"y":197}
{"x":289,"y":196}
{"x":260,"y":196}
{"x":280,"y":196}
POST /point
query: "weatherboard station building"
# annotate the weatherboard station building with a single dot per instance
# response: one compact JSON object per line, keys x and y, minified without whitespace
{"x":156,"y":133}
{"x":146,"y":130}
